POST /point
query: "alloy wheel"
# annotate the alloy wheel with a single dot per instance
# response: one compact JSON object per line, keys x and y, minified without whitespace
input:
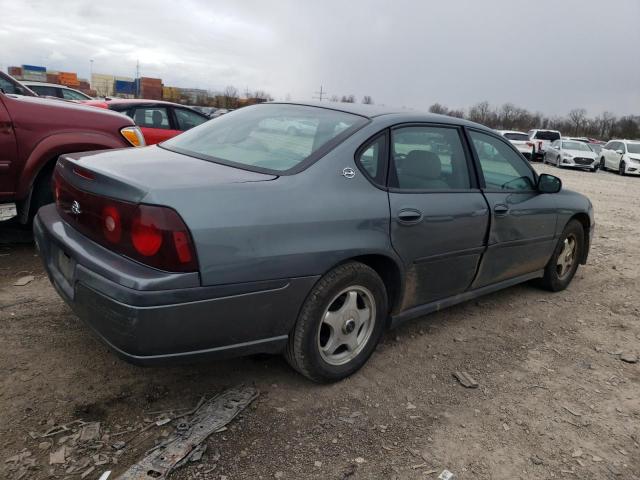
{"x":347,"y":325}
{"x":567,"y":257}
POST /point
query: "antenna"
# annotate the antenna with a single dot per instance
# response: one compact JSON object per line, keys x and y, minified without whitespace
{"x":320,"y":95}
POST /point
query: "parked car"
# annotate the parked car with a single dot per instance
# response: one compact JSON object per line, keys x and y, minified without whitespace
{"x":208,"y":111}
{"x":571,"y":153}
{"x":542,"y":139}
{"x":57,"y":91}
{"x":622,"y":156}
{"x":158,"y":120}
{"x":595,"y":145}
{"x":34,"y":131}
{"x":521,"y":141}
{"x":307,"y":245}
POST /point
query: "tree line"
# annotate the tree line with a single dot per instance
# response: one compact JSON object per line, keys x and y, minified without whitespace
{"x":576,"y":123}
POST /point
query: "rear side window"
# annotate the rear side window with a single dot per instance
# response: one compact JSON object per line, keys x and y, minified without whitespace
{"x":45,"y":90}
{"x":517,"y":136}
{"x":502,"y":168}
{"x":267,"y":137}
{"x":151,"y":117}
{"x":428,"y":158}
{"x":372,"y":158}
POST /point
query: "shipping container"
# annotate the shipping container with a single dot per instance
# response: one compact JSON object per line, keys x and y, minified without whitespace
{"x":33,"y":76}
{"x":15,"y":71}
{"x":125,"y":87}
{"x":53,"y":78}
{"x":102,"y":84}
{"x":34,"y":68}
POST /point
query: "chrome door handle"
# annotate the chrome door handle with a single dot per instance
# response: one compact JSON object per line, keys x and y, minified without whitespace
{"x":501,"y":209}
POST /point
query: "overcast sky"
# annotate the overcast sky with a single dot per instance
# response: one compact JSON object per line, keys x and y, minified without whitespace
{"x":545,"y":55}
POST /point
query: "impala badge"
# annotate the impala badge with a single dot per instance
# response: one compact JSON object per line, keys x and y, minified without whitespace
{"x":348,"y":172}
{"x":75,"y":208}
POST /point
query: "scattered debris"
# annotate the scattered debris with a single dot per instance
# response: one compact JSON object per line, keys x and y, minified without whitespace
{"x":58,"y":457}
{"x":90,"y":432}
{"x":446,"y":475}
{"x":572,"y":412}
{"x":466,"y":380}
{"x":210,"y":417}
{"x":629,"y":357}
{"x":576,"y":453}
{"x":22,"y":281}
{"x":536,"y":460}
{"x":359,"y":460}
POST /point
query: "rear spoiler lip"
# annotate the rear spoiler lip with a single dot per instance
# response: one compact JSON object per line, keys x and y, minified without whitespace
{"x":100,"y":184}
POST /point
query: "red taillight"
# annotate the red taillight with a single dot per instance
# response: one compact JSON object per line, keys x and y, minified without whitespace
{"x":145,"y":236}
{"x":150,"y":234}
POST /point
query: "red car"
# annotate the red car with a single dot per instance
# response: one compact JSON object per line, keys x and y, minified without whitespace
{"x":35,"y":131}
{"x":158,"y":120}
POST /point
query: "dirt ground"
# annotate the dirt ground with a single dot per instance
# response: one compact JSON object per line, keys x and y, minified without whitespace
{"x":555,"y":399}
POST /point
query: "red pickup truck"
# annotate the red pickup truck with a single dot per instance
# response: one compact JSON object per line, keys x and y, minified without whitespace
{"x":34,"y":131}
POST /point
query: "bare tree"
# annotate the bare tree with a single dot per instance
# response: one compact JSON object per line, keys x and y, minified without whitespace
{"x":437,"y":108}
{"x":348,"y":99}
{"x":480,"y":113}
{"x":367,"y":100}
{"x":230,"y":97}
{"x":577,"y":116}
{"x":334,"y":98}
{"x":458,"y":113}
{"x":507,"y":116}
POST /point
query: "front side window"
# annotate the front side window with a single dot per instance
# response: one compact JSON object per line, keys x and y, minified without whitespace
{"x":502,"y":168}
{"x":428,"y":158}
{"x":188,"y":119}
{"x":270,"y":137}
{"x":151,"y":117}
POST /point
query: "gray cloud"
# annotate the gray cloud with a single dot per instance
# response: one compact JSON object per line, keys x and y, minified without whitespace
{"x":546,"y":55}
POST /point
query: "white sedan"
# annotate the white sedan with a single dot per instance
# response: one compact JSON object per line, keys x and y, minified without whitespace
{"x":571,"y":153}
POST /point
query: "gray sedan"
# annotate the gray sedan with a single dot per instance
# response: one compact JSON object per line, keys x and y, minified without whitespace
{"x":234,"y":238}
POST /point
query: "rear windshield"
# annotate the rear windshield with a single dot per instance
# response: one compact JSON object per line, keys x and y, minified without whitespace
{"x":268,"y":137}
{"x":546,"y":135}
{"x":516,"y":136}
{"x":583,"y":147}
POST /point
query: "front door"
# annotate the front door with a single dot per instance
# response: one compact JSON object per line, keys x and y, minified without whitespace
{"x":439,"y":218}
{"x":523,"y":221}
{"x":8,"y":153}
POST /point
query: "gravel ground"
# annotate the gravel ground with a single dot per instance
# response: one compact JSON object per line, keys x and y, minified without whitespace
{"x":555,"y":398}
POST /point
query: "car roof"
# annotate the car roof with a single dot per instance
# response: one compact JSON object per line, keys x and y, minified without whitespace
{"x":510,"y":131}
{"x":373,"y":111}
{"x":141,"y":101}
{"x":45,"y":84}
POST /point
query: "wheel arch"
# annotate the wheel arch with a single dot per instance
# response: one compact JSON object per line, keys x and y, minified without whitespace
{"x":389,"y":270}
{"x":585,"y":221}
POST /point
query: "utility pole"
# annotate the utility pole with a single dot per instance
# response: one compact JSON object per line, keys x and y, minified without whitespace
{"x":320,"y":95}
{"x":138,"y":68}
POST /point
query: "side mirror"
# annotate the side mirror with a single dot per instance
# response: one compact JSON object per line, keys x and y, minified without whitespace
{"x":549,"y":183}
{"x":620,"y":152}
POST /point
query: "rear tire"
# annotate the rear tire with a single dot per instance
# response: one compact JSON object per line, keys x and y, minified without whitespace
{"x":565,"y":259}
{"x":341,"y":298}
{"x":42,"y":194}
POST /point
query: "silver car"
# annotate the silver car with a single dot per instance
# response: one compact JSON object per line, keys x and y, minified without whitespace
{"x":571,"y":153}
{"x":236,"y":238}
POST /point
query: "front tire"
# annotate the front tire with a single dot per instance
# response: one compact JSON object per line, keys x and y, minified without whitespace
{"x":602,"y":165}
{"x":340,"y":324}
{"x":558,"y":162}
{"x":565,"y":260}
{"x":623,"y":169}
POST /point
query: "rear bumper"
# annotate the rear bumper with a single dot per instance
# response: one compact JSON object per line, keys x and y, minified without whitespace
{"x":148,"y":319}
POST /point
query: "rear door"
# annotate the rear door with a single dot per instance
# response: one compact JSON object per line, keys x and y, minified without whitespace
{"x":8,"y":152}
{"x":523,"y":221}
{"x":439,"y":218}
{"x":155,"y":123}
